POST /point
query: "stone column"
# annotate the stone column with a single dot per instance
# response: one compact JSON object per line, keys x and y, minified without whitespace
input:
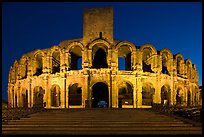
{"x":32,"y":95}
{"x":110,"y":96}
{"x":15,"y":98}
{"x":173,"y":95}
{"x":29,"y":94}
{"x":67,"y":94}
{"x":90,"y":57}
{"x":139,"y":92}
{"x":69,"y":61}
{"x":134,"y":96}
{"x":157,"y":95}
{"x":18,"y":96}
{"x":114,"y":93}
{"x":63,"y":94}
{"x":185,"y":96}
{"x":21,"y":97}
{"x":133,"y":58}
{"x":85,"y":91}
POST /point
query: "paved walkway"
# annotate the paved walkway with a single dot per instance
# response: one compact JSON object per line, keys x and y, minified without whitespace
{"x":98,"y":121}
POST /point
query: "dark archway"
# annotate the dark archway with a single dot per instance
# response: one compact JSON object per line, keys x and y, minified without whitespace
{"x":39,"y":65}
{"x":25,"y":98}
{"x":189,"y":98}
{"x":147,"y":94}
{"x":100,"y":93}
{"x":179,"y":96}
{"x":38,"y":97}
{"x":75,"y":94}
{"x":125,"y":95}
{"x":15,"y":104}
{"x":125,"y":54}
{"x":55,"y":96}
{"x":76,"y":58}
{"x":99,"y":60}
{"x":55,"y":62}
{"x":165,"y":95}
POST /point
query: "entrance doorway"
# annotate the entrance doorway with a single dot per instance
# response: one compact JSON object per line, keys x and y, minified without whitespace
{"x":100,"y":97}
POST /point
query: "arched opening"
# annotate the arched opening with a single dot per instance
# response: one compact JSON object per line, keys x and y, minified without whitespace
{"x":189,"y":67}
{"x":38,"y":97}
{"x":164,"y":64}
{"x":124,"y":58}
{"x":79,"y":64}
{"x":146,"y":63}
{"x":178,"y":63}
{"x":55,"y":62}
{"x":179,"y":97}
{"x":55,"y":96}
{"x":125,"y":95}
{"x":147,"y":94}
{"x":24,"y":69}
{"x":189,"y":98}
{"x":25,"y":98}
{"x":99,"y":60}
{"x":165,"y":95}
{"x":15,"y":104}
{"x":39,"y":65}
{"x":76,"y":58}
{"x":75,"y":95}
{"x":121,"y":63}
{"x":100,"y":96}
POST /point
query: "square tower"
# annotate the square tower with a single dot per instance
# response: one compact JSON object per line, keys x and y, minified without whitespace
{"x":98,"y":23}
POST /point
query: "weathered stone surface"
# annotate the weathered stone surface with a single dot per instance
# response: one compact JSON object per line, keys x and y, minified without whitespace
{"x":51,"y":77}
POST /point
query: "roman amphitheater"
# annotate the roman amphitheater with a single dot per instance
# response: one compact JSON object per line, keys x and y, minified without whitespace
{"x":81,"y":72}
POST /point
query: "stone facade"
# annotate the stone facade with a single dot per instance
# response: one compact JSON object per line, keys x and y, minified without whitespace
{"x":79,"y":73}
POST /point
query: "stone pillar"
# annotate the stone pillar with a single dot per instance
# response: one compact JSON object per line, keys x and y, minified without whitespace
{"x":185,"y":96}
{"x":85,"y":91}
{"x":67,"y":97}
{"x":29,"y":94}
{"x":157,"y":95}
{"x":114,"y":93}
{"x":110,"y":96}
{"x":15,"y":98}
{"x":134,"y":96}
{"x":63,"y":94}
{"x":173,"y":95}
{"x":133,"y":60}
{"x":45,"y":98}
{"x":21,"y":97}
{"x":12,"y":97}
{"x":90,"y":57}
{"x":18,"y":97}
{"x":139,"y":92}
{"x":69,"y":61}
{"x":63,"y":62}
{"x":32,"y":95}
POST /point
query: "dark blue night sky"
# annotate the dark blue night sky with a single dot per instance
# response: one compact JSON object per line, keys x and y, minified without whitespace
{"x":30,"y":26}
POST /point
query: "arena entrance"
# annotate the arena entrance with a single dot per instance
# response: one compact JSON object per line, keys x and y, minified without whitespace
{"x":100,"y":97}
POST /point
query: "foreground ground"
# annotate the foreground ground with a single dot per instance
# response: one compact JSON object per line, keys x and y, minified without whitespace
{"x":99,"y":121}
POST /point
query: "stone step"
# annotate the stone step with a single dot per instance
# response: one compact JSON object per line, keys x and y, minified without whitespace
{"x":99,"y":128}
{"x":95,"y":121}
{"x":98,"y":121}
{"x":95,"y":124}
{"x":96,"y":132}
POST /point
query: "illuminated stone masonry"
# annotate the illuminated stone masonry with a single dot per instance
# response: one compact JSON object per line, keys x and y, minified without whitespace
{"x":81,"y":73}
